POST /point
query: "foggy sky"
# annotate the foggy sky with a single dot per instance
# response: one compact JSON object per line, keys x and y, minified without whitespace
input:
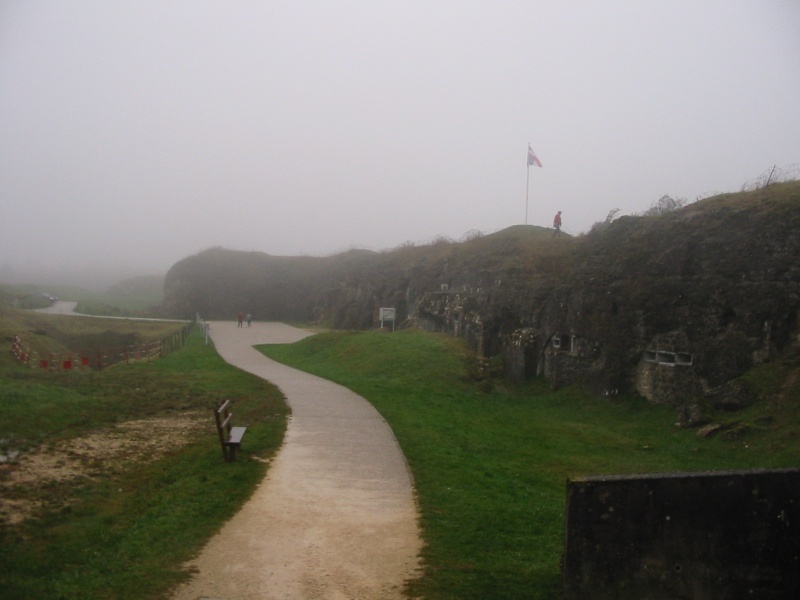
{"x":139,"y":133}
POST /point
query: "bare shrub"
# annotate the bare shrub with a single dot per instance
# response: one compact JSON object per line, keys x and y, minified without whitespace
{"x":601,"y":225}
{"x":472,"y":234}
{"x":772,"y":175}
{"x":665,"y":204}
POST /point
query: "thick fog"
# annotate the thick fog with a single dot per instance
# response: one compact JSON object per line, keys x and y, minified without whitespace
{"x":136,"y":133}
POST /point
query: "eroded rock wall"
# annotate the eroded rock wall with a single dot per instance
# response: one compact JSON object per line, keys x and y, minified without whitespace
{"x":674,"y":307}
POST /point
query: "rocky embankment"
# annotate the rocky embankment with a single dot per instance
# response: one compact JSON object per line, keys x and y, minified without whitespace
{"x":674,"y":306}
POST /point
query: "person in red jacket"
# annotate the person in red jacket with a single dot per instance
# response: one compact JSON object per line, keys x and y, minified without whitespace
{"x":557,"y":224}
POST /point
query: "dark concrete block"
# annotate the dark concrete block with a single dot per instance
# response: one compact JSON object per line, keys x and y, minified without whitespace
{"x":713,"y":535}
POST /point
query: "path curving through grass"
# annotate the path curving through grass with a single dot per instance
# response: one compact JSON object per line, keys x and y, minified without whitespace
{"x":335,"y":517}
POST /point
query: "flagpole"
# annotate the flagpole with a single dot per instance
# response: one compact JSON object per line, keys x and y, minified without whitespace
{"x":532,"y":160}
{"x":527,"y":182}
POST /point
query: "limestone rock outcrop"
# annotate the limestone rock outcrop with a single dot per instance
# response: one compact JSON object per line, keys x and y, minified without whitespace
{"x":674,"y":306}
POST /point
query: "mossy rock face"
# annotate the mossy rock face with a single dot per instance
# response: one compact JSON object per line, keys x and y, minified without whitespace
{"x":694,"y":415}
{"x":737,"y":431}
{"x":733,"y":395}
{"x":716,"y":282}
{"x":710,"y":430}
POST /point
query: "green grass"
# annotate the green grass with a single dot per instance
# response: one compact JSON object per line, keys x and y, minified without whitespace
{"x":44,"y":333}
{"x":491,"y":469}
{"x":134,"y":297}
{"x":126,"y":533}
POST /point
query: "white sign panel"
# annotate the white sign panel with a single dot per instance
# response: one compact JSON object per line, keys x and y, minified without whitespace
{"x":387,"y":314}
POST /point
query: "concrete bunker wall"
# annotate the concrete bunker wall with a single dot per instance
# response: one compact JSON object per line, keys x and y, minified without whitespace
{"x":731,"y":534}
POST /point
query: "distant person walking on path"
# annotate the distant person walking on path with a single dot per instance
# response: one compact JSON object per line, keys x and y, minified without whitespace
{"x":239,"y":318}
{"x":249,"y":319}
{"x":557,"y":224}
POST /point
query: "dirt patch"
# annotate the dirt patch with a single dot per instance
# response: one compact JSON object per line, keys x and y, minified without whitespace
{"x":100,"y":454}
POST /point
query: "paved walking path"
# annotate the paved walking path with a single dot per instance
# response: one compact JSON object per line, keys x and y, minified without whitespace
{"x":63,"y":307}
{"x":335,"y":518}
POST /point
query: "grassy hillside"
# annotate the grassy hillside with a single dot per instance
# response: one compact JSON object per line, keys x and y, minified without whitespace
{"x":127,"y":458}
{"x":62,"y":334}
{"x":25,"y":296}
{"x":134,"y":297}
{"x":110,"y":481}
{"x":343,"y":288}
{"x":490,"y":470}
